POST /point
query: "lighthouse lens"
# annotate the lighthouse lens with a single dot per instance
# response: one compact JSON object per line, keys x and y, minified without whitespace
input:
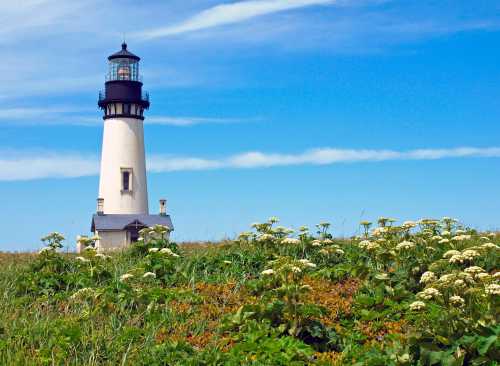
{"x":123,"y":69}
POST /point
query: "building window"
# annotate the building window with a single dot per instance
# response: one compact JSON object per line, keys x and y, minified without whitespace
{"x":126,"y":174}
{"x":126,"y":109}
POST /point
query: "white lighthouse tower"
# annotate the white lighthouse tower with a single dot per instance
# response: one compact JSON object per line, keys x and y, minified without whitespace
{"x":123,"y":194}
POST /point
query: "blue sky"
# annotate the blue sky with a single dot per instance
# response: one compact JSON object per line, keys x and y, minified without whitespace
{"x":309,"y":110}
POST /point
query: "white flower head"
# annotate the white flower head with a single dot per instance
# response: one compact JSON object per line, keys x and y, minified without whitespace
{"x":126,"y":276}
{"x":428,"y":277}
{"x":153,"y":250}
{"x":316,"y":243}
{"x":417,"y":306}
{"x":457,"y":259}
{"x":267,"y":272}
{"x":265,"y":237}
{"x":493,"y":289}
{"x":470,"y":254}
{"x":169,"y":252}
{"x":451,"y":253}
{"x":457,"y":301}
{"x":149,"y":275}
{"x":405,"y":245}
{"x":429,"y":293}
{"x":473,"y":270}
{"x":82,"y":259}
{"x":489,"y":246}
{"x":291,"y":241}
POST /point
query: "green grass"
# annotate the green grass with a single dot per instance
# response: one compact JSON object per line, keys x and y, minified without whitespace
{"x":212,"y":305}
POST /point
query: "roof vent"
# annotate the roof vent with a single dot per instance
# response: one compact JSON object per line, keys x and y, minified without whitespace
{"x":100,"y":206}
{"x":163,"y":207}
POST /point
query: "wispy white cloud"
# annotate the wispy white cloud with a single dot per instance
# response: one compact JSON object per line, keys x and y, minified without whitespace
{"x":229,"y":14}
{"x":15,"y":166}
{"x":25,"y":166}
{"x":324,"y":156}
{"x":73,"y":115}
{"x":191,"y":121}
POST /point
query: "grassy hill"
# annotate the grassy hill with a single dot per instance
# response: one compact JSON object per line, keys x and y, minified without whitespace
{"x":425,"y":293}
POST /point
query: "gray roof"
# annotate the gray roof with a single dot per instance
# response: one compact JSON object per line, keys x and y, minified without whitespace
{"x":120,"y":222}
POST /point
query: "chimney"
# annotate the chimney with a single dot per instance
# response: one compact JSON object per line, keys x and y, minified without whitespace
{"x":100,"y":206}
{"x":163,"y":207}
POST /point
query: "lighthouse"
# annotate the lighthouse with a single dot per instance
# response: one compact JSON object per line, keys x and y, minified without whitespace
{"x":122,"y":205}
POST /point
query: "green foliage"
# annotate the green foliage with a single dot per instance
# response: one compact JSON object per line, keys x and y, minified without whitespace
{"x":427,"y":293}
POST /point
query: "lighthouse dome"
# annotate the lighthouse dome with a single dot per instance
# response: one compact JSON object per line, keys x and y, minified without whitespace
{"x":124,"y":53}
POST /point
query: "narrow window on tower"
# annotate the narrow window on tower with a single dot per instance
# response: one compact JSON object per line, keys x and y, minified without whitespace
{"x":126,"y":109}
{"x":126,"y":175}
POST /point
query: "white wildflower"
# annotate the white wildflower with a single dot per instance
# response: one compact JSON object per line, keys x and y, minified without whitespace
{"x":429,"y":293}
{"x":428,"y":277}
{"x":457,"y":301}
{"x":169,"y":252}
{"x":457,"y":259}
{"x":437,"y":238}
{"x":445,"y":233}
{"x":461,"y":237}
{"x":268,"y":272}
{"x":405,"y":245}
{"x":470,"y":254}
{"x":316,"y":243}
{"x":364,"y":244}
{"x":417,"y":305}
{"x":307,"y":263}
{"x":459,"y":283}
{"x":81,"y":259}
{"x":265,"y":237}
{"x":489,"y":246}
{"x":45,"y":249}
{"x":372,"y":246}
{"x":444,"y":241}
{"x":149,"y":275}
{"x":126,"y":276}
{"x":292,"y":241}
{"x":493,"y":289}
{"x":295,"y":269}
{"x":451,"y":253}
{"x":153,"y":250}
{"x":473,"y":270}
{"x":228,"y":262}
{"x":447,"y":278}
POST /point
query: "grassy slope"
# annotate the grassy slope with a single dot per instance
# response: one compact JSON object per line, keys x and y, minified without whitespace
{"x":130,"y":326}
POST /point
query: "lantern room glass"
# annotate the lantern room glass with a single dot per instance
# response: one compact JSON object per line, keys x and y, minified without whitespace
{"x":123,"y":69}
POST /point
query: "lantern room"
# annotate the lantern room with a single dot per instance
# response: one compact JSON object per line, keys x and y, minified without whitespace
{"x":123,"y":65}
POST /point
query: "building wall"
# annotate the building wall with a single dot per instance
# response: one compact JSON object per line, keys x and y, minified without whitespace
{"x":123,"y":147}
{"x":112,"y":240}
